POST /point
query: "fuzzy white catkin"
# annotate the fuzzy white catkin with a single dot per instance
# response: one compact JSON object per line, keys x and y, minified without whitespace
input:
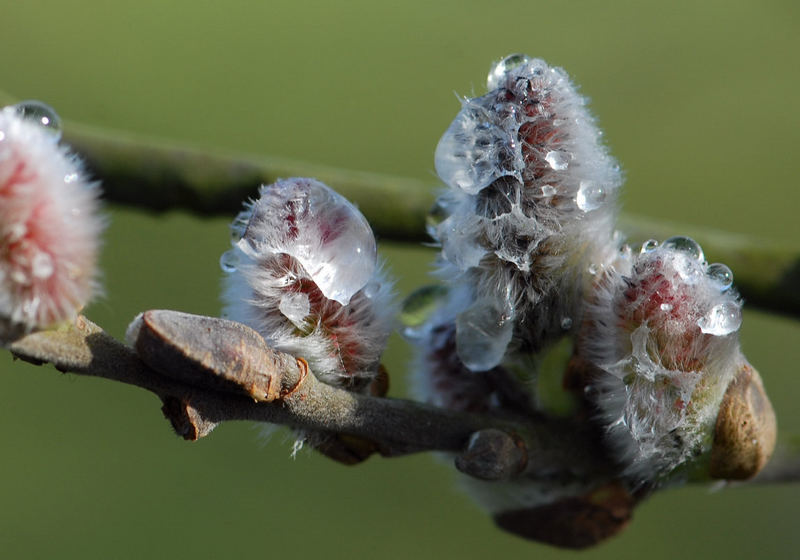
{"x":662,"y":334}
{"x":303,"y":272}
{"x":531,"y":204}
{"x":49,"y":223}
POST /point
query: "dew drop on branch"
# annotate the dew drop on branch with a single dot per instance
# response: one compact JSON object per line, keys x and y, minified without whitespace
{"x":41,"y":115}
{"x":482,"y":336}
{"x":500,"y":69}
{"x":228,"y":261}
{"x":685,"y":245}
{"x":720,"y":274}
{"x":591,"y":196}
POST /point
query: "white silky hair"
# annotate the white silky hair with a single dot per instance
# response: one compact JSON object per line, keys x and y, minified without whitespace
{"x":50,"y":226}
{"x":522,"y":223}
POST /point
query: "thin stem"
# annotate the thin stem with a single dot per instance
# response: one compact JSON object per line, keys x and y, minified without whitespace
{"x":397,"y":426}
{"x":186,"y":378}
{"x":160,"y":176}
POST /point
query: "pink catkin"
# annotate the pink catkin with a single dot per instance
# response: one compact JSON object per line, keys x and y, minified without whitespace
{"x":49,"y":227}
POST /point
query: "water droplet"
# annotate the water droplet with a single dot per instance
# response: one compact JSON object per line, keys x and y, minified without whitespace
{"x":593,"y":269}
{"x":71,"y":177}
{"x":724,"y":318}
{"x":685,"y":245}
{"x":649,"y":245}
{"x":42,"y":265}
{"x":500,"y":69}
{"x":666,"y":307}
{"x":229,"y":261}
{"x":420,"y":305}
{"x":295,"y":307}
{"x":591,"y":196}
{"x":548,"y":190}
{"x":558,"y":160}
{"x":482,"y":335}
{"x":566,"y":323}
{"x":41,"y":114}
{"x":319,"y":228}
{"x":721,"y":274}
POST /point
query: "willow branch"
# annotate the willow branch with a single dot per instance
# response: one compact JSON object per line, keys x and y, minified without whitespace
{"x":160,"y":176}
{"x":207,"y":371}
{"x":784,"y":467}
{"x":211,"y":371}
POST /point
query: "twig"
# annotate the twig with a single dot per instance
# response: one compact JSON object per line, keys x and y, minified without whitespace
{"x":196,"y":398}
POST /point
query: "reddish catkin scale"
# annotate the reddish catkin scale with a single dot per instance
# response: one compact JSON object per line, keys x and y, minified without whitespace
{"x":49,"y":225}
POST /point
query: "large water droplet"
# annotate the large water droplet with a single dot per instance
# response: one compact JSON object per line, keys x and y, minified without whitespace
{"x":591,"y":196}
{"x":229,"y":260}
{"x":685,"y":245}
{"x":558,"y":160}
{"x":42,"y":115}
{"x":566,"y":323}
{"x":499,"y":70}
{"x":321,"y":229}
{"x":42,"y":266}
{"x":295,"y":307}
{"x":476,"y":150}
{"x":724,"y":318}
{"x":720,"y":274}
{"x":482,"y":336}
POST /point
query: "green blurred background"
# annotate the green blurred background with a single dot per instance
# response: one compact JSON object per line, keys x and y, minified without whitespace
{"x":699,"y":104}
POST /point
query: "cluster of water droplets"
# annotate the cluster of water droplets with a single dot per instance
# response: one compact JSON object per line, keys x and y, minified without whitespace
{"x":723,"y":315}
{"x":494,"y":136}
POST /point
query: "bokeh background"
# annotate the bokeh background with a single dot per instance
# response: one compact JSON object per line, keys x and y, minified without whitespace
{"x":699,"y":104}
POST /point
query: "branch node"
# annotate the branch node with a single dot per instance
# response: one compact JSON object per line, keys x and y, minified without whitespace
{"x":493,"y":454}
{"x":185,"y":419}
